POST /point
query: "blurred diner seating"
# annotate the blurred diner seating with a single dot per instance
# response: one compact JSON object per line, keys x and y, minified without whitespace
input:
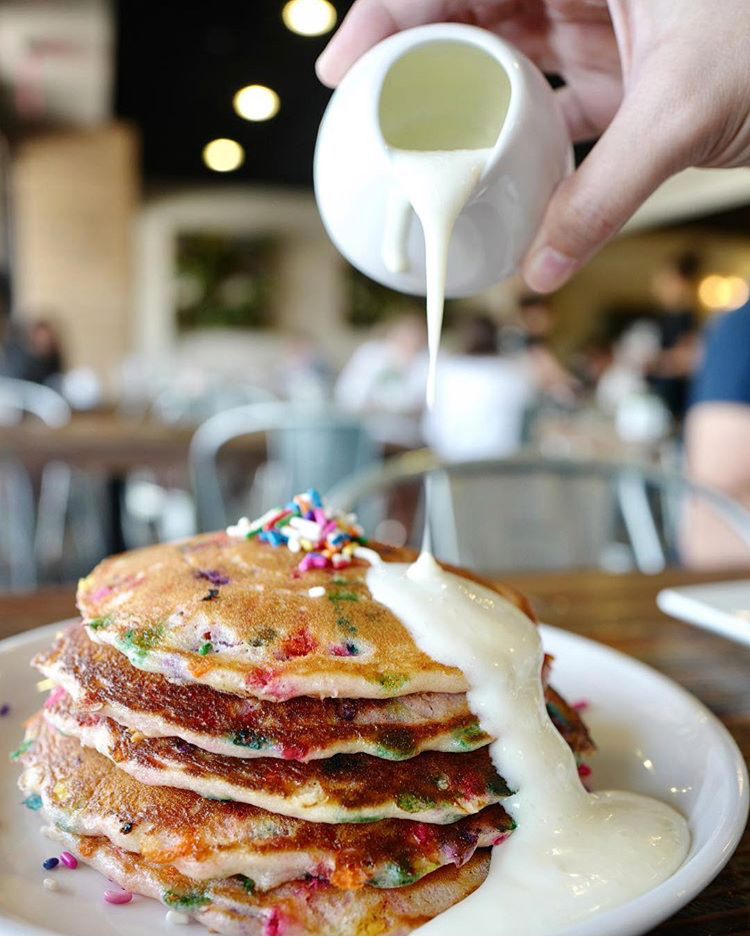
{"x":500,"y":388}
{"x":529,"y":513}
{"x":305,"y":447}
{"x":48,"y":511}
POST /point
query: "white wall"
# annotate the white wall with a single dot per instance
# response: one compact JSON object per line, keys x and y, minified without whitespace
{"x":310,"y":291}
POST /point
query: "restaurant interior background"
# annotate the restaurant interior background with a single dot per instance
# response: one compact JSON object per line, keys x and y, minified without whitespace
{"x":162,"y":261}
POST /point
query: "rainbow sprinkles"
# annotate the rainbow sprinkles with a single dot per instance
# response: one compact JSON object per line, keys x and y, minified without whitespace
{"x":326,"y":536}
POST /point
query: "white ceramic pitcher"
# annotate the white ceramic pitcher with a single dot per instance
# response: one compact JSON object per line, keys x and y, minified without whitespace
{"x":440,"y":87}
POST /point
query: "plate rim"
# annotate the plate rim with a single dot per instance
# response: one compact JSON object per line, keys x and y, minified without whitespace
{"x":672,"y":601}
{"x":638,"y":915}
{"x":688,"y":880}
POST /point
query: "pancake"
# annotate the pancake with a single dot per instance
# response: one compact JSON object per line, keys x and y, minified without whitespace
{"x":101,"y":680}
{"x":435,"y":787}
{"x":237,"y":615}
{"x":84,"y":793}
{"x":299,"y":908}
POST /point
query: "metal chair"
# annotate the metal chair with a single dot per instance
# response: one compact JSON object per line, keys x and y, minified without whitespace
{"x":532,"y":513}
{"x":19,"y":398}
{"x":305,"y":447}
{"x":27,"y":531}
{"x":152,"y":511}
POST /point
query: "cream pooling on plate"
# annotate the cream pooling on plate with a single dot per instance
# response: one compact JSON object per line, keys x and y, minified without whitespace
{"x":574,"y":853}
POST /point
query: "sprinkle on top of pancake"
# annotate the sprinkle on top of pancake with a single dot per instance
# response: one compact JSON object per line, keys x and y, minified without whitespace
{"x":236,"y":614}
{"x":324,"y":536}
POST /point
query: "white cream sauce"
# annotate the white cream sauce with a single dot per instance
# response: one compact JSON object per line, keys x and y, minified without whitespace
{"x":573,"y":853}
{"x":437,"y":184}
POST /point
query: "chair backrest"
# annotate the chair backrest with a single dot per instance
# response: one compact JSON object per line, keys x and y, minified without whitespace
{"x":532,"y":513}
{"x":18,"y":398}
{"x":177,"y":405}
{"x":316,"y":447}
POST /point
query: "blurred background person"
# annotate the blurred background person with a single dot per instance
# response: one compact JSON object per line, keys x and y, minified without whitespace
{"x":717,"y":437}
{"x":482,"y":397}
{"x":675,"y":289}
{"x":305,"y":375}
{"x":32,"y":352}
{"x":385,"y":379}
{"x":625,"y":376}
{"x":530,"y":332}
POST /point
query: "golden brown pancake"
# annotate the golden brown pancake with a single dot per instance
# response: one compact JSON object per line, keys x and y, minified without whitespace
{"x":308,"y":907}
{"x":84,"y":793}
{"x":101,"y":680}
{"x":236,"y":614}
{"x":436,"y":787}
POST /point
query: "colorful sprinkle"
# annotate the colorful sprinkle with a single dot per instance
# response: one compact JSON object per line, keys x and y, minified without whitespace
{"x":117,"y":896}
{"x":33,"y":802}
{"x":4,"y":710}
{"x":24,"y":747}
{"x":214,"y":577}
{"x":345,"y":650}
{"x":329,"y":538}
{"x":316,"y":592}
{"x":584,"y":770}
{"x":206,"y":648}
{"x":212,"y":594}
{"x":247,"y":884}
{"x":50,"y":863}
{"x":50,"y":884}
{"x":176,"y":918}
{"x":190,"y":900}
{"x":55,"y":697}
{"x":67,"y":859}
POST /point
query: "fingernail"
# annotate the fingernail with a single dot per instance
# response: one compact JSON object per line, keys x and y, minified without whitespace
{"x":547,"y":269}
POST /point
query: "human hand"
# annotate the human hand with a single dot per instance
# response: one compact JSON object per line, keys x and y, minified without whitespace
{"x":665,"y":83}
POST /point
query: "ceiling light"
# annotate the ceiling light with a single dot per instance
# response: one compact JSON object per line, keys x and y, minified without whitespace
{"x":718,"y":292}
{"x":256,"y":103}
{"x":309,"y":17}
{"x":223,"y":155}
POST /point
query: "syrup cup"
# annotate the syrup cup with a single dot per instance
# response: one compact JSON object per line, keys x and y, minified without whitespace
{"x":440,"y":87}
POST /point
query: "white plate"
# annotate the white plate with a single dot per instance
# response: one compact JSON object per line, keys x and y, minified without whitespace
{"x":720,"y":607}
{"x":653,"y":738}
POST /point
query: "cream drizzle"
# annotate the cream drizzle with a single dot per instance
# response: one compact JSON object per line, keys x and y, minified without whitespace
{"x":573,"y":853}
{"x":437,"y":184}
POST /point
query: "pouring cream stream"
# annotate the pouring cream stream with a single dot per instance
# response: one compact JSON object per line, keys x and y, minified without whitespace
{"x":573,"y":853}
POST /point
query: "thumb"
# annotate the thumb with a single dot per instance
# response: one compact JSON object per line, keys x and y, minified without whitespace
{"x":632,"y":158}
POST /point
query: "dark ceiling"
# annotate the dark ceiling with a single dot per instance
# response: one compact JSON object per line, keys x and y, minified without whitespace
{"x":179,"y":63}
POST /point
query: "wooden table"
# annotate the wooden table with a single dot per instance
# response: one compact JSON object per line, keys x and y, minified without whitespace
{"x":104,"y":442}
{"x":112,"y":445}
{"x":619,"y":610}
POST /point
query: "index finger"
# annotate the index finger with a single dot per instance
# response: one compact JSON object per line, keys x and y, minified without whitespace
{"x":370,"y":21}
{"x":364,"y":26}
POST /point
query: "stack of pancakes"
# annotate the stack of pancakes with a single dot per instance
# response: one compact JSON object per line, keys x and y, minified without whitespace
{"x":264,"y":749}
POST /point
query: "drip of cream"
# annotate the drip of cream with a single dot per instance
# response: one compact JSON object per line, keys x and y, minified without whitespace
{"x":437,"y":184}
{"x":573,"y":853}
